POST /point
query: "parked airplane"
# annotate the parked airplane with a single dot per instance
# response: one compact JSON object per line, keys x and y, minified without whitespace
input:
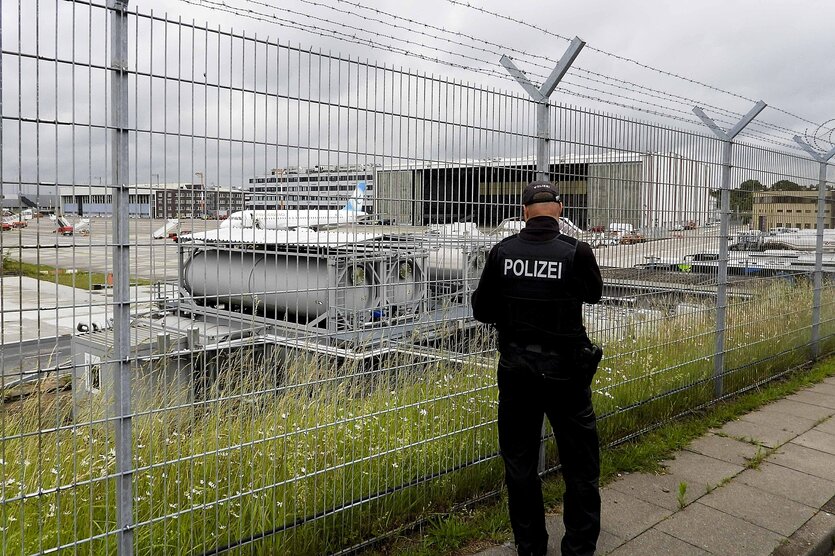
{"x":300,"y":218}
{"x":806,"y":240}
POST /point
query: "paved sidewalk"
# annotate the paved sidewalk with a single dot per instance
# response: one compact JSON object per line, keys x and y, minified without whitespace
{"x":761,"y":485}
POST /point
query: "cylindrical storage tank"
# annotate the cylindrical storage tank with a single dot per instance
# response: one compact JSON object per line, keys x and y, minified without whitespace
{"x":219,"y":276}
{"x":405,"y":280}
{"x":296,"y":285}
{"x":453,"y":261}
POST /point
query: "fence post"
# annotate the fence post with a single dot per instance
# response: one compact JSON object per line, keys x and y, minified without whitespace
{"x":541,"y":96}
{"x":823,"y":160}
{"x":121,"y":269}
{"x":724,"y":236}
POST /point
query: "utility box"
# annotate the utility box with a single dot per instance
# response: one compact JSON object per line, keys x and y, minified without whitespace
{"x":157,"y":380}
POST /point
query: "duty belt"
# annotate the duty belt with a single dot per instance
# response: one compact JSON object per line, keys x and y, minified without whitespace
{"x":535,"y":348}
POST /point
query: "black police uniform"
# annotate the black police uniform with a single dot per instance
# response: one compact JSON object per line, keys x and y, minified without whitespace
{"x":532,"y":288}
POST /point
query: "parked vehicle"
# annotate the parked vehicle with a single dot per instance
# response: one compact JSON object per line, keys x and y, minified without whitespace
{"x":632,"y":237}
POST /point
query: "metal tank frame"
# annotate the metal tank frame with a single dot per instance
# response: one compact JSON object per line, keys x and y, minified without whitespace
{"x":395,"y":299}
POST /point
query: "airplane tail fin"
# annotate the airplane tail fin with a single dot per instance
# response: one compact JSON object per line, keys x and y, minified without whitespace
{"x":355,"y":202}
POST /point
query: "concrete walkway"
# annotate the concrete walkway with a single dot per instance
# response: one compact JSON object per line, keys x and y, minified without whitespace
{"x":761,"y":485}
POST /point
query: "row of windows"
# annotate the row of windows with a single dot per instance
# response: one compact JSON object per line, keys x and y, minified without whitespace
{"x":198,"y":195}
{"x":803,"y":226}
{"x":103,"y":199}
{"x":281,"y":189}
{"x":786,"y":199}
{"x":357,"y":177}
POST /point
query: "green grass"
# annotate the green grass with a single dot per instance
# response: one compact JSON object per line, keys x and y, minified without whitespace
{"x":261,"y":450}
{"x":78,"y":279}
{"x":489,"y":521}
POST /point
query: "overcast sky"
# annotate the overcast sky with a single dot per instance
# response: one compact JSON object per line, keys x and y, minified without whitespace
{"x":777,"y":51}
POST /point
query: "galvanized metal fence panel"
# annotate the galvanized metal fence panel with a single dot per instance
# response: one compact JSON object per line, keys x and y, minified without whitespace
{"x":248,"y":327}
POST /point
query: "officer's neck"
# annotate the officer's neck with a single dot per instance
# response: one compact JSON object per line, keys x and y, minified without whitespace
{"x":543,"y":219}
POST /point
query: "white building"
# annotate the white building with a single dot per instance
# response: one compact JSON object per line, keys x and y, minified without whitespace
{"x":319,"y":187}
{"x":95,"y":200}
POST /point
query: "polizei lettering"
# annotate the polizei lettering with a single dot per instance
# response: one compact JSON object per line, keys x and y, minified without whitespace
{"x":551,"y":270}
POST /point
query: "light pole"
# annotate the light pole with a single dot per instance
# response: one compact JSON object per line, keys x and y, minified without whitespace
{"x":202,"y":189}
{"x":154,"y":196}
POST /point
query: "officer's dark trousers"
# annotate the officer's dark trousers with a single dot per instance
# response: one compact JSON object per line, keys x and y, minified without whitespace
{"x":525,"y":395}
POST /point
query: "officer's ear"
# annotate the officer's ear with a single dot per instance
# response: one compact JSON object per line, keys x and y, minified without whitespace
{"x":524,"y":213}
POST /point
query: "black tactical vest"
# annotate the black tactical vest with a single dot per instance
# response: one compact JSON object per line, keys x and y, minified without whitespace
{"x":540,"y":304}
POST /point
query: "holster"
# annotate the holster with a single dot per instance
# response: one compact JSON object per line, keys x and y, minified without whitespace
{"x":587,"y":359}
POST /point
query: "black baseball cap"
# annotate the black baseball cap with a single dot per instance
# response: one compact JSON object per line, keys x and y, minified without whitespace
{"x":540,"y":192}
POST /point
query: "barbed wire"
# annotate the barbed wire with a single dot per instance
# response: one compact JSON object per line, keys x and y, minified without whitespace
{"x":656,"y":109}
{"x":623,"y":58}
{"x":504,"y":48}
{"x":225,"y":7}
{"x":686,"y":101}
{"x":822,"y":138}
{"x":627,"y":85}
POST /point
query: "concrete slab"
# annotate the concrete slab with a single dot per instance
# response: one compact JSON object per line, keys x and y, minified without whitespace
{"x":770,"y":511}
{"x":780,"y":421}
{"x":553,"y":523}
{"x":800,"y":409}
{"x":756,"y":432}
{"x":626,"y":516}
{"x":800,"y":458}
{"x":718,"y":532}
{"x":723,"y":448}
{"x":814,"y":398}
{"x":815,"y":537}
{"x":827,"y":426}
{"x":817,"y":440}
{"x":658,"y":542}
{"x":607,"y":542}
{"x":788,"y":483}
{"x":824,"y":388}
{"x":506,"y":549}
{"x":661,"y":490}
{"x":701,"y":473}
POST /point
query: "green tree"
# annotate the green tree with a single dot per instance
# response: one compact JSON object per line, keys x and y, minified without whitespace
{"x":786,"y":185}
{"x":742,"y":198}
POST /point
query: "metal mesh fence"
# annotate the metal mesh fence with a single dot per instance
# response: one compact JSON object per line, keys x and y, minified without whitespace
{"x":236,"y":280}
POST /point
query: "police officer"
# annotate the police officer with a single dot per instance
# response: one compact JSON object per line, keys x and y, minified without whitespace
{"x":532,"y":288}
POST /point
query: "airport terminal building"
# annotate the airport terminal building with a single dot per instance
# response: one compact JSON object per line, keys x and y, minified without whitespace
{"x":166,"y":200}
{"x":642,"y":189}
{"x":314,"y":188}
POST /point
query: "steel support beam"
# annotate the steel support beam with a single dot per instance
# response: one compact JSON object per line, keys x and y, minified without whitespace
{"x":724,"y":236}
{"x":541,"y":95}
{"x":823,"y":161}
{"x":121,"y":269}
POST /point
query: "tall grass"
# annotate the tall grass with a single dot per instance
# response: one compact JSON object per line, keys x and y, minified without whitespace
{"x":323,"y":455}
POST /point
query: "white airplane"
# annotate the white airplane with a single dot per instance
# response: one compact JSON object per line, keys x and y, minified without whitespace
{"x":803,"y":241}
{"x":299,"y":218}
